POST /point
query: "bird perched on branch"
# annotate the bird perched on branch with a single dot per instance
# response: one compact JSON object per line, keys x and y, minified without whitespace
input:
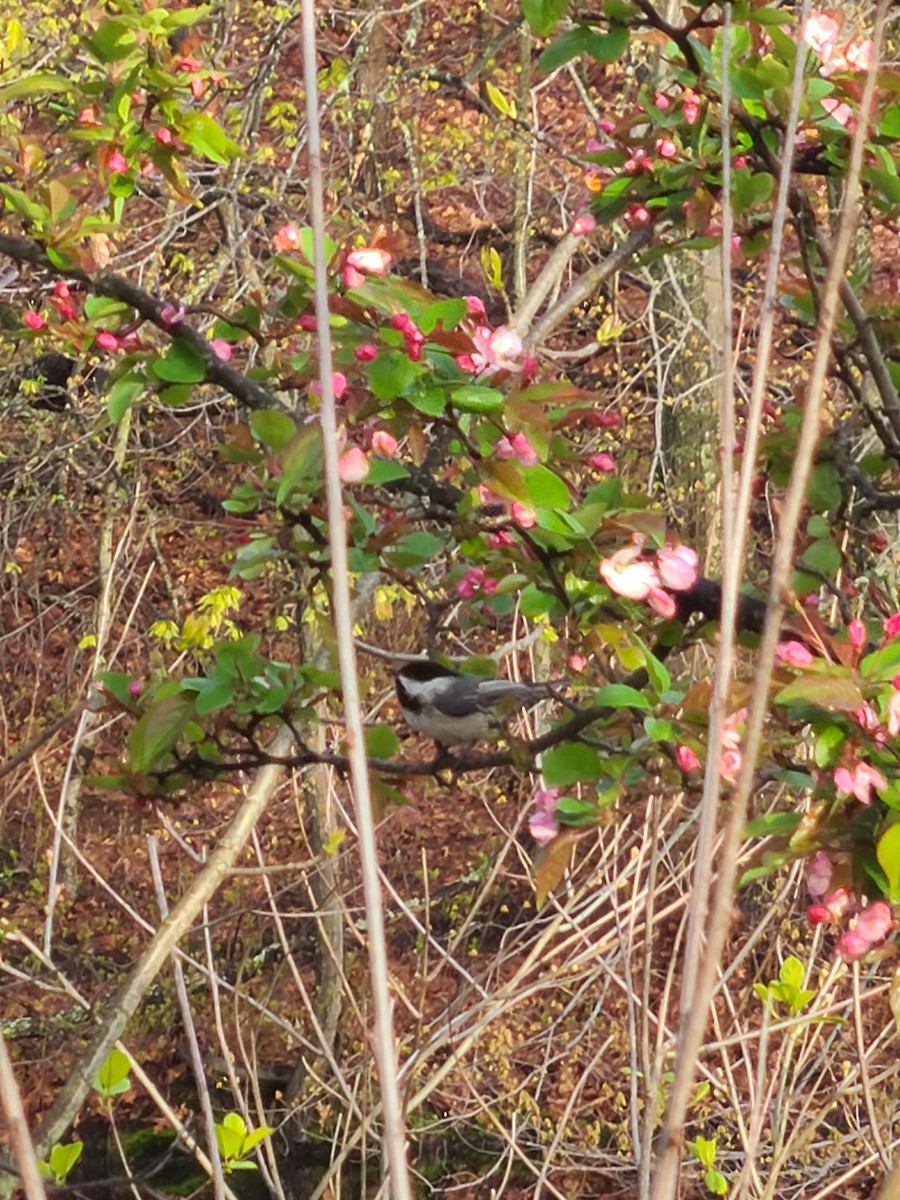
{"x":453,"y":708}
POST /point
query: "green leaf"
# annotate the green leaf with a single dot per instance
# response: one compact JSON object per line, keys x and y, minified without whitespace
{"x":888,"y":854}
{"x":118,"y":684}
{"x":603,"y":47}
{"x":385,"y":470}
{"x":832,"y":692}
{"x":273,"y":428}
{"x":390,"y":374}
{"x":752,"y":190}
{"x":824,"y":487}
{"x":772,"y":825}
{"x":620,"y":695}
{"x":212,"y":694}
{"x":576,"y":813}
{"x":414,"y":549}
{"x":883,"y":664}
{"x":112,"y":42}
{"x":571,"y":763}
{"x":207,"y":137}
{"x":182,"y":364}
{"x":544,"y":15}
{"x":828,"y":746}
{"x":446,"y":313}
{"x":822,"y":555}
{"x":38,"y":84}
{"x":473,"y":398}
{"x":157,"y":731}
{"x":112,"y":1078}
{"x":62,"y":1159}
{"x":18,"y":202}
{"x":430,"y":401}
{"x":122,"y":395}
{"x":608,"y":47}
{"x":545,"y":489}
{"x":381,"y":741}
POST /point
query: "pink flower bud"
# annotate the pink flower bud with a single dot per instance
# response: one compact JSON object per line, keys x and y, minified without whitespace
{"x":856,"y":631}
{"x":366,"y":352}
{"x":795,"y":654}
{"x":586,"y":223}
{"x":384,"y":443}
{"x":117,"y":163}
{"x":522,"y":515}
{"x":164,"y":136}
{"x":666,"y":148}
{"x":601,"y":462}
{"x":370,"y":261}
{"x":353,"y":466}
{"x":135,"y":687}
{"x":220,"y":348}
{"x":107,"y":341}
{"x":577,"y":663}
{"x":287,"y":238}
{"x":686,"y":758}
{"x":475,"y":308}
{"x":34,"y":320}
{"x":308,"y":322}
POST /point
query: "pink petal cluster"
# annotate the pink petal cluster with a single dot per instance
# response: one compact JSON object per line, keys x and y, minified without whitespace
{"x":794,"y":653}
{"x":832,"y":908}
{"x":500,"y":539}
{"x":287,"y":238}
{"x":34,"y":320}
{"x":370,"y":261}
{"x":732,"y":757}
{"x":62,"y":300}
{"x":601,"y":462}
{"x":522,"y":515}
{"x":872,"y":925}
{"x":384,"y":443}
{"x":628,"y":573}
{"x":475,"y":580}
{"x":518,"y":447}
{"x":542,"y":824}
{"x":821,"y":35}
{"x":677,"y":567}
{"x":819,"y":871}
{"x":859,"y":781}
{"x":412,"y":334}
{"x":496,"y":350}
{"x":686,"y":758}
{"x":338,"y":385}
{"x":353,"y":465}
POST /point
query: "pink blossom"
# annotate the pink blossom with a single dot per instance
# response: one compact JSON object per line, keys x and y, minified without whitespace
{"x":629,"y":575}
{"x":522,"y":515}
{"x":352,"y":278}
{"x":353,"y":465}
{"x":832,"y":909}
{"x":605,"y":125}
{"x":220,"y":348}
{"x":740,"y":160}
{"x":662,"y":101}
{"x":666,"y":148}
{"x":821,"y":33}
{"x":34,"y":320}
{"x":308,"y":323}
{"x":730,"y":765}
{"x":338,"y":385}
{"x":838,"y":109}
{"x":412,"y":334}
{"x":859,"y":782}
{"x":662,"y":603}
{"x":731,"y":735}
{"x":795,"y":654}
{"x":892,"y":627}
{"x":287,"y":238}
{"x":170,"y":315}
{"x":818,"y":874}
{"x":471,"y":582}
{"x":686,"y":758}
{"x":189,"y":63}
{"x":366,"y":352}
{"x":893,"y":713}
{"x":197,"y":86}
{"x":542,"y":824}
{"x":384,"y":443}
{"x":475,"y":309}
{"x":577,"y":663}
{"x":496,"y":350}
{"x":88,"y":116}
{"x":370,"y":261}
{"x":135,"y":687}
{"x":690,"y":106}
{"x":601,"y":462}
{"x":164,"y":136}
{"x":636,"y":216}
{"x":500,"y":539}
{"x":872,"y":925}
{"x":117,"y":163}
{"x":677,"y":566}
{"x":859,"y":54}
{"x":586,"y":223}
{"x":856,"y":631}
{"x":466,"y":363}
{"x":106,"y":341}
{"x":867,"y":717}
{"x":518,"y":447}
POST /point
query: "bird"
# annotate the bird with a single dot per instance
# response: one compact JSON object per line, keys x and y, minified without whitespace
{"x":454,"y":708}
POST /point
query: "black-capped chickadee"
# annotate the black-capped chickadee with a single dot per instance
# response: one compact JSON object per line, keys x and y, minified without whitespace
{"x":452,"y":708}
